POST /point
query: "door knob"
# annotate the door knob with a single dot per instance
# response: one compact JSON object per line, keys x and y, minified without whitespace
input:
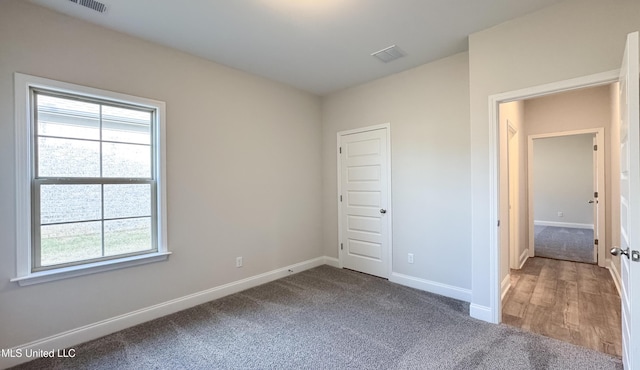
{"x":382,"y":210}
{"x":617,"y":251}
{"x":591,"y":202}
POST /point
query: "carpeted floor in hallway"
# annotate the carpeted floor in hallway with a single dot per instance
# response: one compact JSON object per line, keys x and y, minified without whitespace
{"x":564,"y":243}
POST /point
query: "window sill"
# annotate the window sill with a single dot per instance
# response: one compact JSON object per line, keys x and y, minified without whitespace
{"x":90,"y":268}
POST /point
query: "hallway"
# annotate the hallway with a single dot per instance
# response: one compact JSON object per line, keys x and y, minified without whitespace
{"x":574,"y":302}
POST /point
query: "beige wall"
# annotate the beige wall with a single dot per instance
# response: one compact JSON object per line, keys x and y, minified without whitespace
{"x":571,"y":39}
{"x":243,"y":164}
{"x":569,"y":111}
{"x":427,"y":109}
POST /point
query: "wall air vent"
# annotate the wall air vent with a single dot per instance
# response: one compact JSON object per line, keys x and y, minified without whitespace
{"x":91,"y":4}
{"x":388,"y":54}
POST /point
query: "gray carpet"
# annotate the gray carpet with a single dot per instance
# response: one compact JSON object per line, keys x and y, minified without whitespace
{"x":564,"y":243}
{"x":327,"y":318}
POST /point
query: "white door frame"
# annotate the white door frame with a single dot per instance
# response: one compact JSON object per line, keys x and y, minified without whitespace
{"x":599,"y":79}
{"x":339,"y":135}
{"x":600,"y":222}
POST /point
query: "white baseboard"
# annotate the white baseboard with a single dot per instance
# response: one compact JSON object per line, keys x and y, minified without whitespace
{"x":480,"y":312}
{"x":333,"y":262}
{"x":432,"y":286}
{"x":505,"y":286}
{"x":615,"y":274}
{"x":563,"y":224}
{"x":523,"y":258}
{"x":99,"y":329}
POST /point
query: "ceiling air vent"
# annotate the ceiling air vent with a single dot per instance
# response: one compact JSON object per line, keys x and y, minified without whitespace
{"x":388,"y":54}
{"x":91,"y":4}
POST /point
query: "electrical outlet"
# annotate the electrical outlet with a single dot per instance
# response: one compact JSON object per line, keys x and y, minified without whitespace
{"x":410,"y":258}
{"x":560,"y":214}
{"x":238,"y":261}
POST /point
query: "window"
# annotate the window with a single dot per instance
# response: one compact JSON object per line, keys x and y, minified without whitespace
{"x":90,"y":180}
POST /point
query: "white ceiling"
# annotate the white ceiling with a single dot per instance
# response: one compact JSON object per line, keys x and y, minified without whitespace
{"x":316,"y":45}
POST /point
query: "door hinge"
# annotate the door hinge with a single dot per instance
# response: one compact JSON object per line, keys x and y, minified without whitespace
{"x":596,"y":242}
{"x":341,"y":246}
{"x":595,"y":147}
{"x":340,"y":150}
{"x":498,"y":223}
{"x":341,"y":198}
{"x":595,"y":194}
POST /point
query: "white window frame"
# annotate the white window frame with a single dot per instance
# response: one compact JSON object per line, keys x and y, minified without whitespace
{"x":24,"y":164}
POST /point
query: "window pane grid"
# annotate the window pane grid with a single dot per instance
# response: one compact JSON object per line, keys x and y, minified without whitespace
{"x":93,"y":220}
{"x":87,"y":99}
{"x":90,"y":260}
{"x":127,"y":139}
{"x":127,"y":150}
{"x":93,"y":140}
{"x":93,"y":180}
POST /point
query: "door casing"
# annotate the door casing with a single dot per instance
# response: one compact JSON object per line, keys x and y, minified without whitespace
{"x":495,"y":309}
{"x":600,"y":221}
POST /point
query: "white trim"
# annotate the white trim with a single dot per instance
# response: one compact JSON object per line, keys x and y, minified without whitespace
{"x":365,"y":129}
{"x":90,"y":268}
{"x":333,"y":262}
{"x":595,"y":130}
{"x":505,"y":286}
{"x":24,"y":130}
{"x":574,"y":225}
{"x":615,"y":275}
{"x":523,"y":258}
{"x":23,"y":177}
{"x":481,"y":312}
{"x":493,"y":221}
{"x":493,"y":312}
{"x":339,"y":135}
{"x":339,"y":191}
{"x":602,"y":198}
{"x":99,"y":329}
{"x":598,"y":79}
{"x":432,"y":286}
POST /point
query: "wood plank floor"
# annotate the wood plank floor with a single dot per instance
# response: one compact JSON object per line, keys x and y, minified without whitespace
{"x":574,"y":302}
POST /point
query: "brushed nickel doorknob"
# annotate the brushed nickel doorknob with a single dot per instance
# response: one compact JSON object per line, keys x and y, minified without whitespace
{"x":382,"y":210}
{"x":617,"y":251}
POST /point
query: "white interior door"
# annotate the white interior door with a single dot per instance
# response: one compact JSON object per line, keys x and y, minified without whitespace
{"x":595,"y":202}
{"x":364,"y":201}
{"x":630,"y":202}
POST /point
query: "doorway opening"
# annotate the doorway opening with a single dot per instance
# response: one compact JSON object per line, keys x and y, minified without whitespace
{"x":554,"y":155}
{"x":567,"y":198}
